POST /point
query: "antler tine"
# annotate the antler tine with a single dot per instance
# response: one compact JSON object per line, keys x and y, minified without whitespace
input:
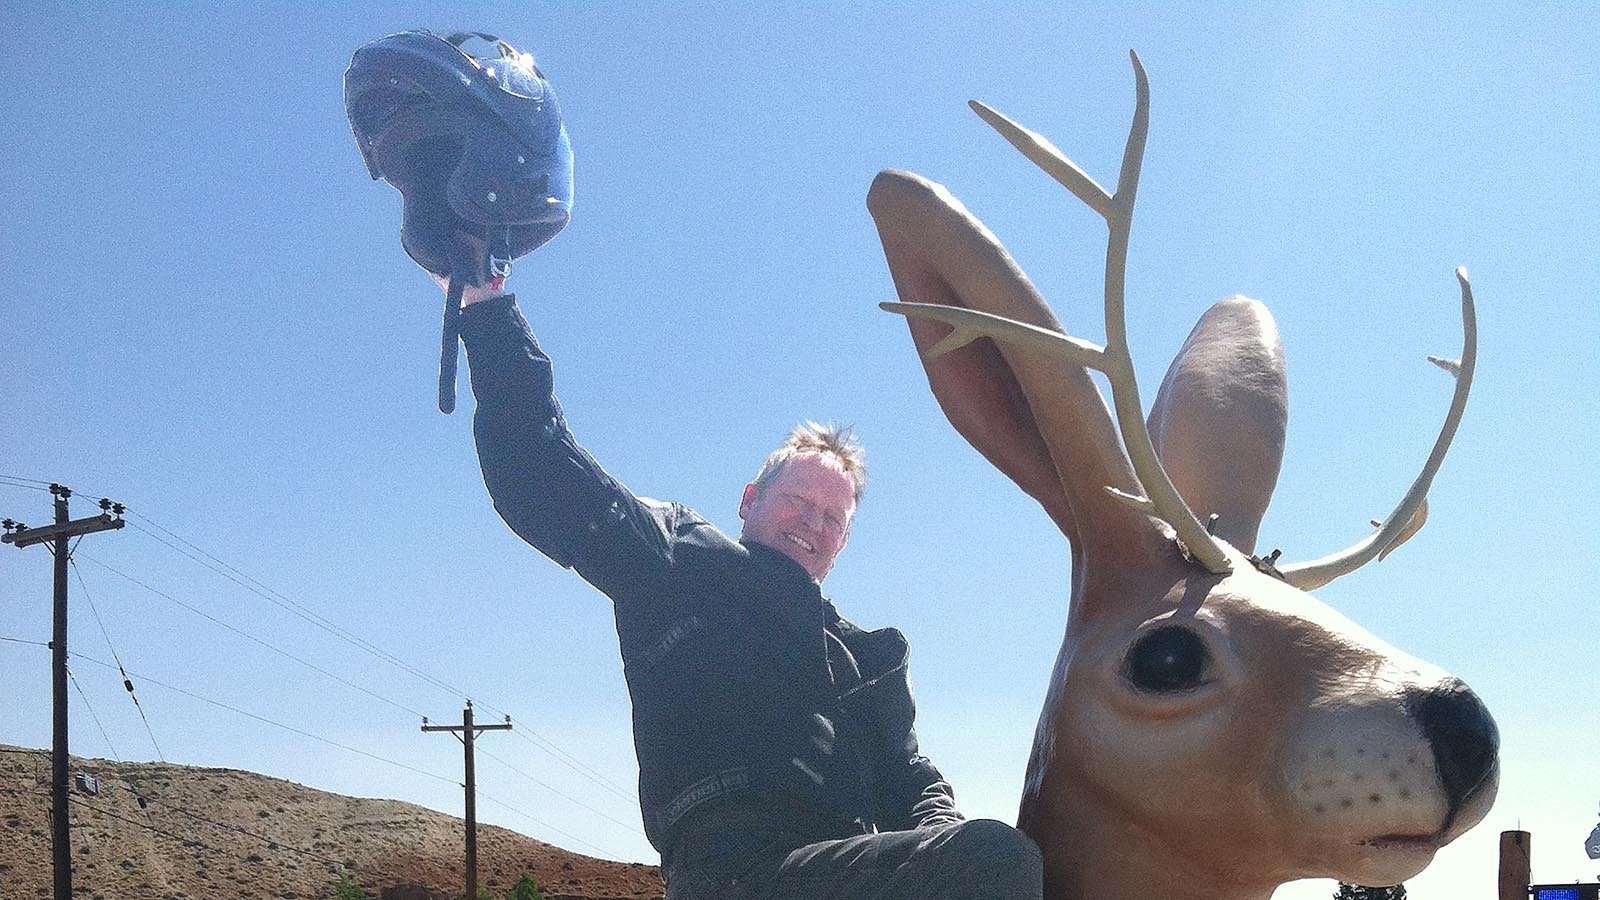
{"x":1037,"y":148}
{"x":968,"y":325}
{"x":1316,"y":573}
{"x":1158,"y":487}
{"x":1162,"y":498}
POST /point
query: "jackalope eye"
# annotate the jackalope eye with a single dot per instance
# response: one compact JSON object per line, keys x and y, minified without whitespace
{"x":1167,"y":660}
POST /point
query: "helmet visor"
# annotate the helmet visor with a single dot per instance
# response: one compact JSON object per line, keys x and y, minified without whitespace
{"x":506,"y":67}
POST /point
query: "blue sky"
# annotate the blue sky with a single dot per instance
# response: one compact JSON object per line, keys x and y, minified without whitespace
{"x":208,"y":317}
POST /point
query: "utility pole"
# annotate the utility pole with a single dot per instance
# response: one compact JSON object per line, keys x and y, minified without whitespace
{"x":57,"y":536}
{"x":466,"y":732}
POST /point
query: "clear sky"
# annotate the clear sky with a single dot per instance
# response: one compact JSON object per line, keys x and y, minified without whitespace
{"x":207,"y":316}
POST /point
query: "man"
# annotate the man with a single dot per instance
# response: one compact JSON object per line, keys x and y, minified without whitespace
{"x":776,"y":751}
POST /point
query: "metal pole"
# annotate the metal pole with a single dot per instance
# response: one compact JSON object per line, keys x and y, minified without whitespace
{"x":60,"y":823}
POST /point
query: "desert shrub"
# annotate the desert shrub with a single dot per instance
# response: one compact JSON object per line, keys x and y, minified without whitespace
{"x":346,"y":888}
{"x":525,"y":889}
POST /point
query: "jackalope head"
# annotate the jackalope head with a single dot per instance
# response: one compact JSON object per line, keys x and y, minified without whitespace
{"x":1211,"y":729}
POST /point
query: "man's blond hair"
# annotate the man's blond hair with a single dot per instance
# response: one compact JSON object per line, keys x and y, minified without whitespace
{"x":838,"y":443}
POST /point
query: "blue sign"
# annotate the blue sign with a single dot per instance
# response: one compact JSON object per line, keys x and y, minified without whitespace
{"x":1564,"y":891}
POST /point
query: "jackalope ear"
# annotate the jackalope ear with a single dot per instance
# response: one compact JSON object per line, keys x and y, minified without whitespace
{"x":1218,"y":422}
{"x":1036,"y":416}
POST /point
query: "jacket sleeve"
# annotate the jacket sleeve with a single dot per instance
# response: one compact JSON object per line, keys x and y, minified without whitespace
{"x":544,"y":484}
{"x":907,"y":790}
{"x":912,"y":793}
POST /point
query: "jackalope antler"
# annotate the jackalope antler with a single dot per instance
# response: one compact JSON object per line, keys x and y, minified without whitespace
{"x":1161,"y":498}
{"x":1210,"y":730}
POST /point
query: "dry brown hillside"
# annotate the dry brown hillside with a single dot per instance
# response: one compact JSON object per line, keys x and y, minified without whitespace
{"x":223,"y":833}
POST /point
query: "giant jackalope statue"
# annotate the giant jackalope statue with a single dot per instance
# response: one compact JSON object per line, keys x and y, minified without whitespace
{"x":1211,"y":730}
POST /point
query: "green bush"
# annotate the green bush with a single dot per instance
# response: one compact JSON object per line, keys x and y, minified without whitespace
{"x":525,"y":889}
{"x":346,"y":888}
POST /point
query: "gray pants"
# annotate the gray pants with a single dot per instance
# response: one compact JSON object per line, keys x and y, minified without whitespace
{"x":976,"y":858}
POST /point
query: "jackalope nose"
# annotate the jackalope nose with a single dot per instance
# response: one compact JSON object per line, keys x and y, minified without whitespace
{"x":1464,"y":738}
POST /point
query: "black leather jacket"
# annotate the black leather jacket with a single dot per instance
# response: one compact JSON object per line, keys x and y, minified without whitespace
{"x":746,"y":682}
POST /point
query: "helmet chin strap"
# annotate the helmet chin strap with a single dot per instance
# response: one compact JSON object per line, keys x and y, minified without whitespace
{"x":463,"y":269}
{"x":467,"y":266}
{"x":448,"y":350}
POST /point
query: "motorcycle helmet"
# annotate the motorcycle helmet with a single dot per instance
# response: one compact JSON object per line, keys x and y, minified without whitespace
{"x":469,"y":131}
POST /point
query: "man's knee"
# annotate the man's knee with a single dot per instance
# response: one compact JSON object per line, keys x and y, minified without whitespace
{"x":999,"y":855}
{"x":993,"y":839}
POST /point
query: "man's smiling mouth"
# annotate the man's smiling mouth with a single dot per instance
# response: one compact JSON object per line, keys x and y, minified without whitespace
{"x":800,"y":542}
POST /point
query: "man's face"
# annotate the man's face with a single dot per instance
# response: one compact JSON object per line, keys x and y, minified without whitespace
{"x":803,"y":513}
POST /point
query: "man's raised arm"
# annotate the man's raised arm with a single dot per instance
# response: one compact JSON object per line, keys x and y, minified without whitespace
{"x":544,"y":484}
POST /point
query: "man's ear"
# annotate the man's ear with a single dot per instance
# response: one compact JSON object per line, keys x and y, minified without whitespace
{"x":748,"y":498}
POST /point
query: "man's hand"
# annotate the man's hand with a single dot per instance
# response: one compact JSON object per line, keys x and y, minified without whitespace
{"x":473,"y":293}
{"x":474,"y":247}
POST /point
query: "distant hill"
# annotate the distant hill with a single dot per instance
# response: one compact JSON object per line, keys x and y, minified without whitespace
{"x":207,"y":834}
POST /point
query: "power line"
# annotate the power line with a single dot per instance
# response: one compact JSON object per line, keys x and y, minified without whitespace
{"x":357,"y":751}
{"x":272,"y":843}
{"x":33,"y":751}
{"x":577,"y":766}
{"x":278,"y":599}
{"x":126,"y":681}
{"x":350,"y":749}
{"x":238,"y":577}
{"x":26,"y":484}
{"x":87,"y":705}
{"x":22,"y":641}
{"x":114,"y":754}
{"x":186,"y":841}
{"x":299,"y":610}
{"x":42,"y":485}
{"x":165,"y":804}
{"x":168,"y":806}
{"x":250,"y":583}
{"x":192,"y":842}
{"x":259,"y":718}
{"x":633,"y":828}
{"x":118,"y":666}
{"x":566,"y":834}
{"x":244,"y":634}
